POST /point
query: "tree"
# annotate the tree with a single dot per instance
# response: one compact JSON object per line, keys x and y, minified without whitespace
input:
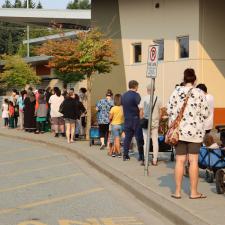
{"x":90,"y":53}
{"x":84,"y":4}
{"x":10,"y":45}
{"x":39,"y":5}
{"x":7,"y":4}
{"x":31,"y":4}
{"x":17,"y":73}
{"x":17,"y":4}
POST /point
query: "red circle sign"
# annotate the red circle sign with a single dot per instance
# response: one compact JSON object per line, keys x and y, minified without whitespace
{"x":153,"y":54}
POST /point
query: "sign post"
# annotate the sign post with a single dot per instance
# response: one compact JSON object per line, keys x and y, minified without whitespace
{"x":152,"y":64}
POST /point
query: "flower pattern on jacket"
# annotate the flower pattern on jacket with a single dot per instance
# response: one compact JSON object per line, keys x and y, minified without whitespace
{"x":103,"y":106}
{"x":191,"y":127}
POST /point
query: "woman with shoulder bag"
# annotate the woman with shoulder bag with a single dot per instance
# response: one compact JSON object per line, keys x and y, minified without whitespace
{"x":187,"y":110}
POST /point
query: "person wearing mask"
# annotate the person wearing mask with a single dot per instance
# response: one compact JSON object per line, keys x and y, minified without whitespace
{"x":191,"y":130}
{"x":130,"y":101}
{"x":29,"y":112}
{"x":58,"y":123}
{"x":20,"y":102}
{"x":70,"y":110}
{"x":210,"y":100}
{"x":156,"y":115}
{"x":103,"y":107}
{"x":41,"y":111}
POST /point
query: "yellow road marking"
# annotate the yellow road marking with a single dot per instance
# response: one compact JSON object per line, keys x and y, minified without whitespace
{"x":29,"y":159}
{"x":35,"y":170}
{"x":39,"y":182}
{"x":50,"y":201}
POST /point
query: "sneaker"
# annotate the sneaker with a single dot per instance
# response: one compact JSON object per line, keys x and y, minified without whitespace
{"x":56,"y":135}
{"x":126,"y":157}
{"x":142,"y":163}
{"x":102,"y":147}
{"x":119,"y":155}
{"x":63,"y":134}
{"x":113,"y":154}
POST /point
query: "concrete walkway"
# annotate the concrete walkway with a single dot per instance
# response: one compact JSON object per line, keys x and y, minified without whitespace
{"x":154,"y":190}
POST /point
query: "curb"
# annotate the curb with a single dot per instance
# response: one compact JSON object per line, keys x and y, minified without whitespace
{"x":163,"y":206}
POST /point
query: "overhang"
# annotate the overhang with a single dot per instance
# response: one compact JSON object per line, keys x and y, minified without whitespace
{"x":46,"y":17}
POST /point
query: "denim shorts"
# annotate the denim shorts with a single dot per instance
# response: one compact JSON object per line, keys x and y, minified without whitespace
{"x":117,"y":130}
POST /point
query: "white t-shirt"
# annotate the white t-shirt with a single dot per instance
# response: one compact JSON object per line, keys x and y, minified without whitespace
{"x":55,"y":103}
{"x":209,"y":120}
{"x":5,"y":110}
{"x":156,"y":112}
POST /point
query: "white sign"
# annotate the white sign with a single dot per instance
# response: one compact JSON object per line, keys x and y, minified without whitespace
{"x":152,"y":62}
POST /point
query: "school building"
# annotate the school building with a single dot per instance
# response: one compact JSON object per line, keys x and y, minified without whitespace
{"x":190,"y":33}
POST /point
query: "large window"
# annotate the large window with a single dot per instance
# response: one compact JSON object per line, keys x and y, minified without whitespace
{"x":161,"y":48}
{"x":183,"y":46}
{"x":137,"y":51}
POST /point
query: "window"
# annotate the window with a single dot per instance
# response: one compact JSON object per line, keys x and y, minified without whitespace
{"x":161,"y":48}
{"x":137,"y":53}
{"x":183,"y":45}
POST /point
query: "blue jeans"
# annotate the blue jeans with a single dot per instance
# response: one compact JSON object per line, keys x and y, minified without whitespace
{"x":117,"y":130}
{"x":132,"y":128}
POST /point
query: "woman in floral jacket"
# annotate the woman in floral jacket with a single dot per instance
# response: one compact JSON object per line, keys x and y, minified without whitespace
{"x":191,"y":130}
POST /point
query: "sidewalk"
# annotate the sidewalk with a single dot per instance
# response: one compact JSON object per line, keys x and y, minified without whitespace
{"x":154,"y":190}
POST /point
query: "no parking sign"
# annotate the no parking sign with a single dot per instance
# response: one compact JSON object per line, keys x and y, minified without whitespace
{"x":152,"y":62}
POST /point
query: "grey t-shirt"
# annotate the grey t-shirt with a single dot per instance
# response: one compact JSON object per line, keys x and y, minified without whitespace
{"x":156,"y":112}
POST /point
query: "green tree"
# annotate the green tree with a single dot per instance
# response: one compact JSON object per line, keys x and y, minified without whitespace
{"x":17,"y":4}
{"x":84,"y":4}
{"x":31,"y":4}
{"x":7,"y":4}
{"x":10,"y":45}
{"x":39,"y":5}
{"x":17,"y":73}
{"x":87,"y":55}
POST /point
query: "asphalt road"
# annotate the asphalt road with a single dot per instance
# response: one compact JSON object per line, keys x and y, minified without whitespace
{"x":40,"y":185}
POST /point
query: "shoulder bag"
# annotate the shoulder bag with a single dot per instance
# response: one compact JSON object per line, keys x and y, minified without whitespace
{"x":172,"y":135}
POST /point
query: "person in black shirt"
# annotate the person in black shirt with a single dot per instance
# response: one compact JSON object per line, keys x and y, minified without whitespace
{"x":130,"y":102}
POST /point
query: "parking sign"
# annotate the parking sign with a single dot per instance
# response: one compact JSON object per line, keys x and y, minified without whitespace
{"x":152,"y":62}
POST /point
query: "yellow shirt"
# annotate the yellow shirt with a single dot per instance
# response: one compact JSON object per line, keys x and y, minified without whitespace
{"x":117,"y":115}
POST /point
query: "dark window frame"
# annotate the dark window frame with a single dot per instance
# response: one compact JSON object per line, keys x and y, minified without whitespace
{"x":183,"y":48}
{"x":161,"y":51}
{"x":137,"y":58}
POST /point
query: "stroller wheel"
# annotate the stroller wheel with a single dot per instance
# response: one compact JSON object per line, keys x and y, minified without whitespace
{"x":220,"y":185}
{"x":209,"y":176}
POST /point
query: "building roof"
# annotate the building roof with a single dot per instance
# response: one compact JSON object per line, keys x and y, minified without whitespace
{"x":45,"y":17}
{"x":71,"y":34}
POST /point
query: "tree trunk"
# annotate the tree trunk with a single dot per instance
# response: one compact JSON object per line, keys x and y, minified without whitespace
{"x":88,"y":107}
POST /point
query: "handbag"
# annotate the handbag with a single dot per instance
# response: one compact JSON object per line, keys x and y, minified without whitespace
{"x":144,"y":121}
{"x":172,"y":135}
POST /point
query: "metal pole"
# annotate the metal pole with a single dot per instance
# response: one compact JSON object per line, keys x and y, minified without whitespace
{"x":28,"y":35}
{"x":146,"y":172}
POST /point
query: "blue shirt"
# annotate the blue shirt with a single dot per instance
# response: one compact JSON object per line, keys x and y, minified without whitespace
{"x":103,"y":107}
{"x":20,"y":102}
{"x":130,"y":102}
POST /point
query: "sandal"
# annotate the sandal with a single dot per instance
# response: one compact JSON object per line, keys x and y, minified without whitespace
{"x":175,"y":196}
{"x":201,"y":196}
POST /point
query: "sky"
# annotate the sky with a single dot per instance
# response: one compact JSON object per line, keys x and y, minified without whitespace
{"x":47,"y":4}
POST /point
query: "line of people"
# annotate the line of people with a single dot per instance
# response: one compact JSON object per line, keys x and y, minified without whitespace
{"x":41,"y":110}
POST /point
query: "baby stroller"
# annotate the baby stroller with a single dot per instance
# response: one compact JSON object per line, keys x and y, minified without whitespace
{"x":94,"y":135}
{"x":213,"y":160}
{"x":163,"y":147}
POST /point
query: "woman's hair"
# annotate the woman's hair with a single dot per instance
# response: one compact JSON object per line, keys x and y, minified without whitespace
{"x":109,"y":93}
{"x":10,"y":103}
{"x":117,"y":100}
{"x":202,"y":87}
{"x":189,"y":76}
{"x":6,"y":100}
{"x":22,"y":93}
{"x":57,"y":91}
{"x":83,"y":90}
{"x":41,"y":98}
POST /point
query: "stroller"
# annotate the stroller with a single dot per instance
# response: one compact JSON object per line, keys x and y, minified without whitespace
{"x":213,"y":161}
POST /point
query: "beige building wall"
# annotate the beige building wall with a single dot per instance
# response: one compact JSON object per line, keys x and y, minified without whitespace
{"x":142,"y":23}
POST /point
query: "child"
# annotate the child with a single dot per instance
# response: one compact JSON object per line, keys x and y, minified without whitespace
{"x":11,"y":115}
{"x":211,"y":142}
{"x":5,"y":112}
{"x":41,"y":111}
{"x":117,"y":120}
